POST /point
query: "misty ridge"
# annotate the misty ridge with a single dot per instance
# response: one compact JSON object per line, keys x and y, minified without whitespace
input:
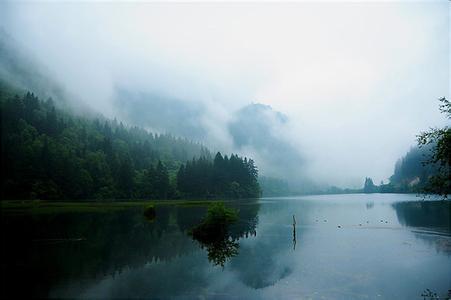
{"x":213,"y":150}
{"x":294,"y":155}
{"x":253,"y":130}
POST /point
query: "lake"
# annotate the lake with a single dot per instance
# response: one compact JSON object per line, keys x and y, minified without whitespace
{"x":359,"y":246}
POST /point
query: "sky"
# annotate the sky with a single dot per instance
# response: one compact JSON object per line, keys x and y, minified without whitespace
{"x":357,"y":81}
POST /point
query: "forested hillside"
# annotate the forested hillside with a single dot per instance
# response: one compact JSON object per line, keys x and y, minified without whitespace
{"x":411,"y":168}
{"x":411,"y":173}
{"x":48,"y":153}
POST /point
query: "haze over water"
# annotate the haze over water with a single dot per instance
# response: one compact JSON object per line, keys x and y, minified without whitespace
{"x":141,"y":143}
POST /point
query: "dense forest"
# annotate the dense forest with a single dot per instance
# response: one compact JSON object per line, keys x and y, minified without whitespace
{"x":412,"y":170}
{"x":48,"y":153}
{"x":230,"y":177}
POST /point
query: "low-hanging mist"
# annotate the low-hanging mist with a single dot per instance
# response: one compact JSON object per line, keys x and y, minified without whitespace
{"x":346,"y":96}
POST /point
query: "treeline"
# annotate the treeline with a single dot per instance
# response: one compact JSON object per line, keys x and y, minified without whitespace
{"x":412,"y":169}
{"x":411,"y":173}
{"x":274,"y":187}
{"x":48,"y":153}
{"x":233,"y":177}
{"x":426,"y":168}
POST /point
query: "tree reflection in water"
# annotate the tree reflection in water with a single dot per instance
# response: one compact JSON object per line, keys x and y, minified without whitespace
{"x":214,"y":235}
{"x":105,"y":244}
{"x":430,"y":220}
{"x":220,"y":249}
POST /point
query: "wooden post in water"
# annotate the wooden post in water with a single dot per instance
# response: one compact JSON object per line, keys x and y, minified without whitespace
{"x":294,"y":233}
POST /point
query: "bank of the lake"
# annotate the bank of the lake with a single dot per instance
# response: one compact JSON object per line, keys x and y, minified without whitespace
{"x":55,"y":207}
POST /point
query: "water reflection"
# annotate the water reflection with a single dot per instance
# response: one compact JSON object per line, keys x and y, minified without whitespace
{"x":424,"y":214}
{"x":224,"y":244}
{"x":220,"y":249}
{"x":213,"y":233}
{"x":109,"y":243}
{"x":430,"y":220}
{"x":95,"y":245}
{"x":124,"y":256}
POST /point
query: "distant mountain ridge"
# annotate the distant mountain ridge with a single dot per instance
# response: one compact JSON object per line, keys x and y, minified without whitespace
{"x":253,"y":129}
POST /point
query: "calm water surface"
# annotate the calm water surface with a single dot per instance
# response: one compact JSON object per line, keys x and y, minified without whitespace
{"x":377,"y":246}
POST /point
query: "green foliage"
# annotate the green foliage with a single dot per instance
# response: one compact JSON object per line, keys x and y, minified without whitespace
{"x":411,"y":172}
{"x":440,"y":139}
{"x":223,"y":177}
{"x":425,"y":168}
{"x":50,"y":154}
{"x":216,"y":222}
{"x":218,"y":213}
{"x":213,"y":233}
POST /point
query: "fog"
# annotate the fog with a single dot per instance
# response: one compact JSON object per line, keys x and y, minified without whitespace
{"x":344,"y":87}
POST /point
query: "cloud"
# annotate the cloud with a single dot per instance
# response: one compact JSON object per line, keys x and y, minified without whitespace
{"x":356,"y":80}
{"x":258,"y":129}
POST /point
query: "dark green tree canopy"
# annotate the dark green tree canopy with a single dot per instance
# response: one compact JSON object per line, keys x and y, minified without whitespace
{"x":223,"y":177}
{"x":48,"y":153}
{"x":440,"y":139}
{"x":369,"y":186}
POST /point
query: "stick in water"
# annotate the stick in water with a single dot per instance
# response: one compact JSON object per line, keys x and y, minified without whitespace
{"x":294,"y":233}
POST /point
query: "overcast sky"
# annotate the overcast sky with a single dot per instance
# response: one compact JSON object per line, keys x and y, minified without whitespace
{"x":357,"y":81}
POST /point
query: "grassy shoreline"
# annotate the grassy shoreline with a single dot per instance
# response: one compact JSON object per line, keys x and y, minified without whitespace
{"x":49,"y":207}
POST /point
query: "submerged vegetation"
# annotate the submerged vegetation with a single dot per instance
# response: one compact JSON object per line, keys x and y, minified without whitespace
{"x":216,"y":222}
{"x":150,"y":213}
{"x":213,"y":233}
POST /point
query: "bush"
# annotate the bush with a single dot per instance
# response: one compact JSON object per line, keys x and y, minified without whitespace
{"x":149,"y":212}
{"x":213,"y":233}
{"x":216,"y":223}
